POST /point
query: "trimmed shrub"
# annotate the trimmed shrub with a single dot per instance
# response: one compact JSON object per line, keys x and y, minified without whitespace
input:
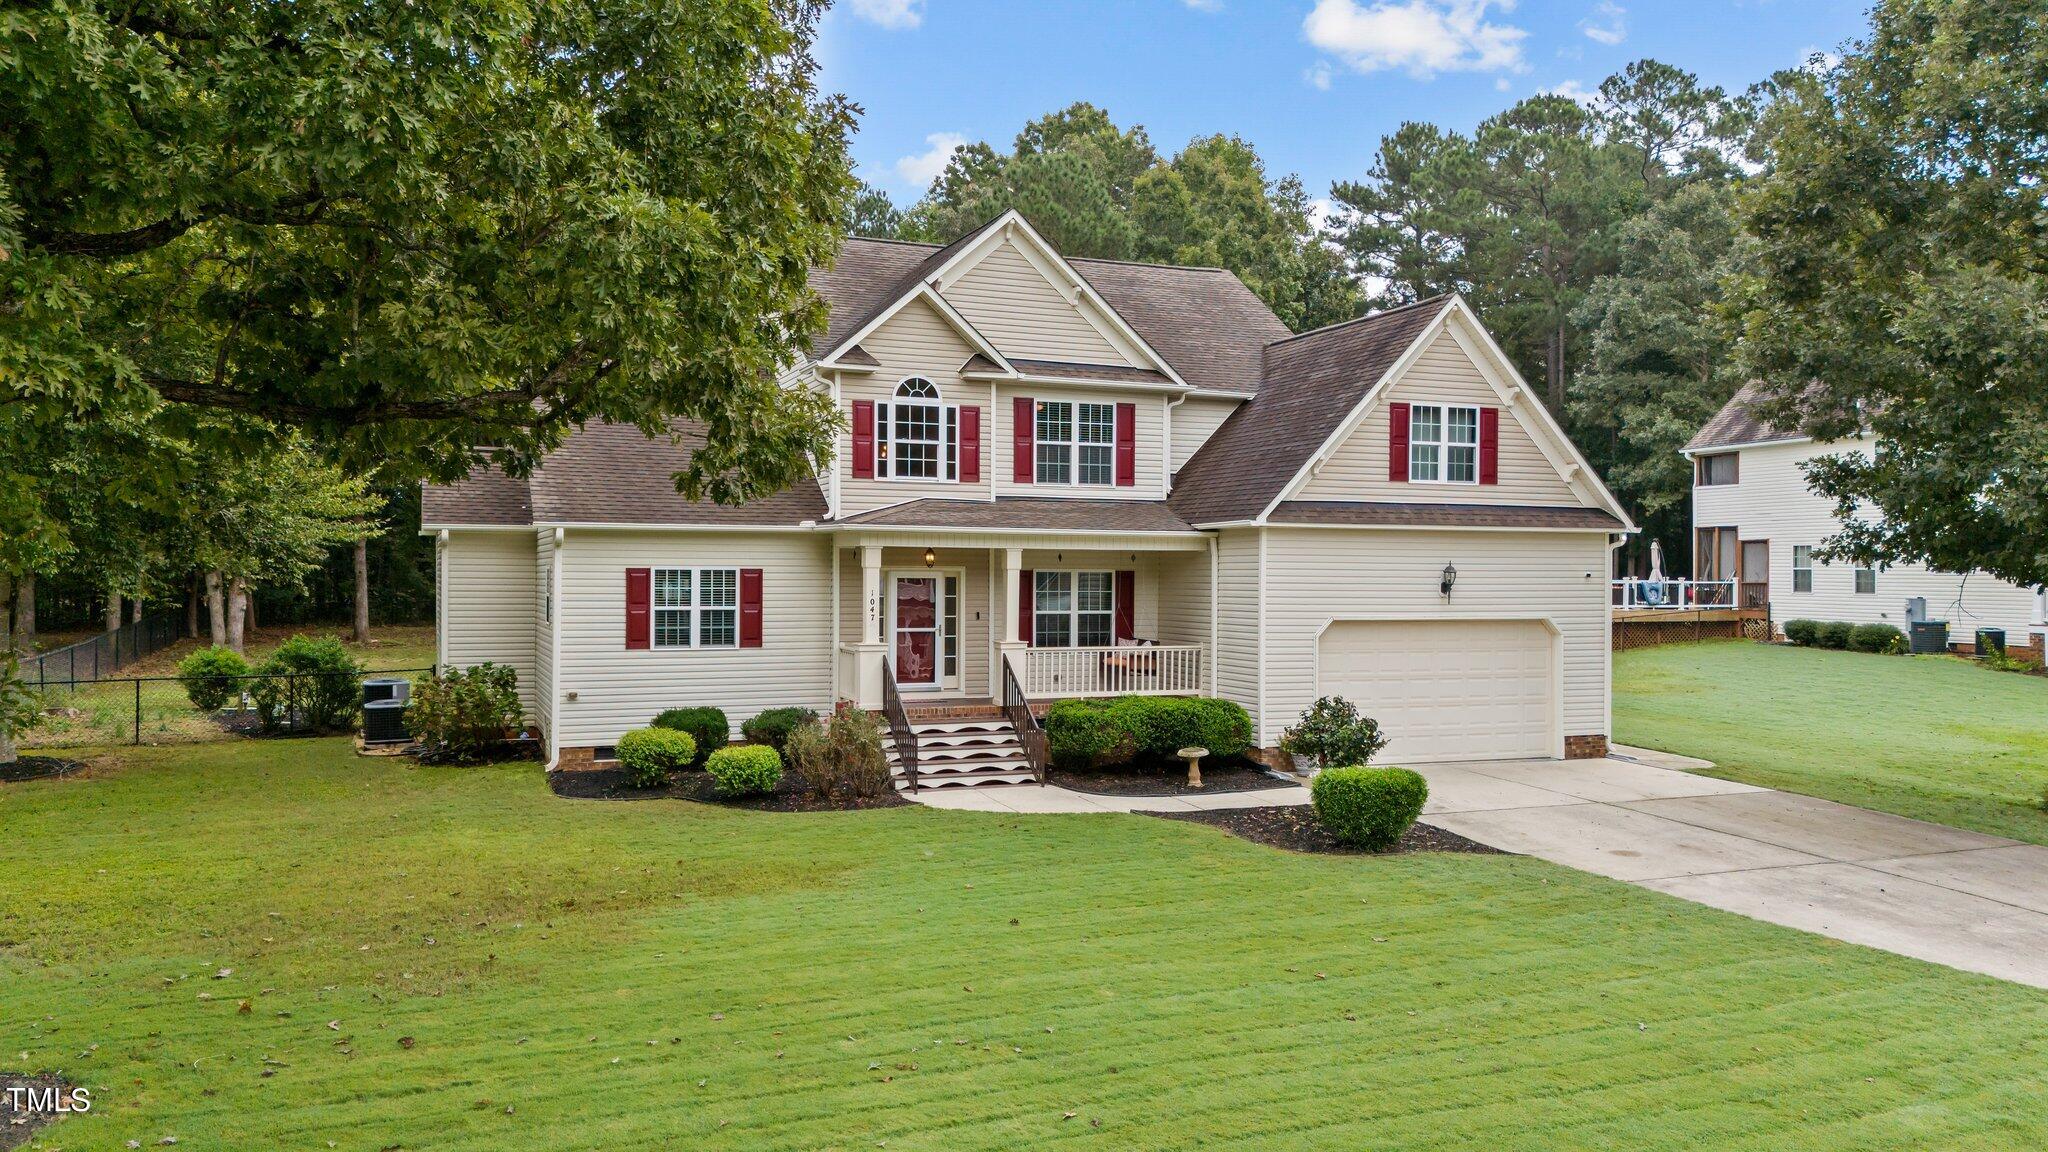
{"x":308,"y":685}
{"x":212,"y":677}
{"x":1880,"y":638}
{"x":649,"y":755}
{"x":1099,"y":733}
{"x":707,"y":726}
{"x":1331,"y":732}
{"x":774,"y":726}
{"x":464,"y":714}
{"x":747,"y":770}
{"x":1368,"y":807}
{"x":1833,"y":634}
{"x":1802,"y":632}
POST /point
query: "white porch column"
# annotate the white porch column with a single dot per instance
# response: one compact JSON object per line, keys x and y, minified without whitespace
{"x":868,"y":652}
{"x":1013,"y":645}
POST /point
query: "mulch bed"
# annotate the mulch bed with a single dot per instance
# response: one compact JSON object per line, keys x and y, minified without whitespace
{"x":1296,"y":829}
{"x":16,"y":1128}
{"x":610,"y":784}
{"x":1167,"y":780}
{"x":38,"y":768}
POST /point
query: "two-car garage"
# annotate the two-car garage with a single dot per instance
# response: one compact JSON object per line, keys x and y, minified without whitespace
{"x":1448,"y":689}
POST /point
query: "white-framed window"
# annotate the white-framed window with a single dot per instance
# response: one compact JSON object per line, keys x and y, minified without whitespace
{"x":696,"y":607}
{"x":917,"y":435}
{"x":1073,"y":609}
{"x":1802,"y":567}
{"x":1443,"y":444}
{"x":1866,"y":580}
{"x":1076,"y":443}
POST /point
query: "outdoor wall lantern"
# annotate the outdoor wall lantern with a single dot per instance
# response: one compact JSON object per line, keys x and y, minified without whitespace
{"x":930,"y":558}
{"x":1450,"y":579}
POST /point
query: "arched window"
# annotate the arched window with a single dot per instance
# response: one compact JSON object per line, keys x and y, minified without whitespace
{"x":916,"y":435}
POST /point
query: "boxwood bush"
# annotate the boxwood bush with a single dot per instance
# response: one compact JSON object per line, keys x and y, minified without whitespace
{"x":748,"y":770}
{"x":212,"y":677}
{"x":707,"y":726}
{"x":774,"y":726}
{"x":649,"y":755}
{"x":1881,"y":638}
{"x":1368,"y":807}
{"x":1834,"y":634}
{"x":1802,"y":632}
{"x":1127,"y":729}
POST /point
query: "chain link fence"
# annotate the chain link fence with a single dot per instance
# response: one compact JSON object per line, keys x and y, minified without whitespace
{"x":102,"y":655}
{"x":175,"y":710}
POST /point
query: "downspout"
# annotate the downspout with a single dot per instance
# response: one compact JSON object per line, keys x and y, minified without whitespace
{"x":555,"y":651}
{"x":441,"y":597}
{"x":1166,"y":435}
{"x":836,"y":609}
{"x":1259,"y":727}
{"x":1607,"y":601}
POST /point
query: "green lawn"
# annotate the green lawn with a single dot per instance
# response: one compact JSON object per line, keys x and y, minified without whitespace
{"x":575,"y":974}
{"x":1931,"y":737}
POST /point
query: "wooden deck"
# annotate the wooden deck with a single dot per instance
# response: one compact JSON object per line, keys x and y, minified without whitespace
{"x":1644,"y":627}
{"x":1688,"y":615}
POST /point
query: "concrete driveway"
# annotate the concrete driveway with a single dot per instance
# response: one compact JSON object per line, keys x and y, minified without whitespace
{"x":1959,"y":898}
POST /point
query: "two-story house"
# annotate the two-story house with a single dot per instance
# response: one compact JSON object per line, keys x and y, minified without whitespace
{"x":1757,"y":525}
{"x":1066,"y":478}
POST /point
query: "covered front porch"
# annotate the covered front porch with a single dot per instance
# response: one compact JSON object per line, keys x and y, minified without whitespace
{"x":964,"y":619}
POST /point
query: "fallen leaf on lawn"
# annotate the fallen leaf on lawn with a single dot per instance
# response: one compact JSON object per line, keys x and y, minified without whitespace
{"x":243,"y":1009}
{"x":405,"y":1041}
{"x":223,"y":973}
{"x":334,"y":1025}
{"x":1068,"y":1115}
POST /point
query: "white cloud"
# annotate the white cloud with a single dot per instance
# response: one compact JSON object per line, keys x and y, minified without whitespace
{"x":1421,"y":37}
{"x":924,"y":167}
{"x":1572,"y":89}
{"x":1607,"y":25}
{"x":1204,"y":5}
{"x":891,"y":14}
{"x":1318,"y":75}
{"x":1500,"y":84}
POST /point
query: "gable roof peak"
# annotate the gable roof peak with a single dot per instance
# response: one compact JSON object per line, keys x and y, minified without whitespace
{"x":1438,"y":300}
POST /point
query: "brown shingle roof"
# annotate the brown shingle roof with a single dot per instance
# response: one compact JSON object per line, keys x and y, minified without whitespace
{"x":1312,"y":383}
{"x":1065,"y":371}
{"x":870,"y":275}
{"x":612,"y":474}
{"x":1736,"y":424}
{"x":1371,"y":514}
{"x":1039,"y":513}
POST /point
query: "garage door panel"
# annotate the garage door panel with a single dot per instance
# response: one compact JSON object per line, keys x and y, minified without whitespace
{"x":1446,"y":689}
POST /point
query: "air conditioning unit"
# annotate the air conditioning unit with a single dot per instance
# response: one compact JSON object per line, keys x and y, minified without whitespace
{"x":387,"y":688}
{"x":384,"y":722}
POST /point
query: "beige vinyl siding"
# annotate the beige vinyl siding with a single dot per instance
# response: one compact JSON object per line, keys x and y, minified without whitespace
{"x":1237,"y":618}
{"x":543,"y":631}
{"x":1149,"y":444}
{"x":1184,"y":598}
{"x":1194,"y":421}
{"x":916,"y":341}
{"x":619,"y":689}
{"x":1011,"y":303}
{"x":1314,"y":576}
{"x":1444,"y":374}
{"x":487,"y":611}
{"x":1773,"y":502}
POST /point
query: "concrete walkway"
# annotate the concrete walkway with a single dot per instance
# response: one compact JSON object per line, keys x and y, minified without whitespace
{"x":1959,"y":898}
{"x":1051,"y":798}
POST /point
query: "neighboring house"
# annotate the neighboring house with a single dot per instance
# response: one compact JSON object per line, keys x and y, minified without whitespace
{"x":1092,"y":477}
{"x":1757,"y":525}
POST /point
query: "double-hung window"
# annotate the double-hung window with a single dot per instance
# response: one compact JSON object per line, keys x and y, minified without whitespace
{"x":1076,"y":443}
{"x":916,"y":436}
{"x":1443,"y":444}
{"x":1866,"y":580}
{"x":1802,"y":567}
{"x":696,"y":607}
{"x":1073,"y":609}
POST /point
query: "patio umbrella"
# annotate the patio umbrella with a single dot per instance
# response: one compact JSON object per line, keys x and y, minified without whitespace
{"x":1657,"y":561}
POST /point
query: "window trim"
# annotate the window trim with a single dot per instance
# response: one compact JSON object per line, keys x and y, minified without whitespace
{"x":948,"y":442}
{"x":1702,"y":470}
{"x":1443,"y":443}
{"x":1802,"y":552}
{"x":1073,"y":612}
{"x":1074,"y":443}
{"x":695,"y":611}
{"x":1863,"y":576}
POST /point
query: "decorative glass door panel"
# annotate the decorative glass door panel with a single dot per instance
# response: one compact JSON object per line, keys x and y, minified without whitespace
{"x":917,"y":630}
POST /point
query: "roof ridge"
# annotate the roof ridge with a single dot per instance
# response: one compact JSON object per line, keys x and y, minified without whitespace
{"x":1380,"y":315}
{"x":1148,"y":264}
{"x":891,"y":240}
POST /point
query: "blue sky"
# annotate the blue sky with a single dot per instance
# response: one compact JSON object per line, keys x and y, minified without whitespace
{"x":1313,"y":84}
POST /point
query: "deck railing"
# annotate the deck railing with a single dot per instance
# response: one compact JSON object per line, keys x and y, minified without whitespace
{"x":1157,"y":670}
{"x":1636,"y":592}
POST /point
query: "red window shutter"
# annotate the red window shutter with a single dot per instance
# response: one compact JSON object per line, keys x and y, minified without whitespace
{"x":1489,"y":445}
{"x":1397,"y":443}
{"x":864,"y":439}
{"x":637,"y":616}
{"x":1126,"y":604}
{"x":970,"y":444}
{"x":1027,"y":603}
{"x":1126,"y":445}
{"x":1023,"y":428}
{"x":750,"y":607}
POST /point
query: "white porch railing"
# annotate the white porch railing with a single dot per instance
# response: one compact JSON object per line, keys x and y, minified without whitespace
{"x":1174,"y":670}
{"x":1636,"y":592}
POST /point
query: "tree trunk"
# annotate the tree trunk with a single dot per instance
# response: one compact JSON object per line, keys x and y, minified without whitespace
{"x":238,"y":611}
{"x":249,"y":608}
{"x":216,"y":611}
{"x":135,"y":609}
{"x":25,"y":610}
{"x":1553,"y":370}
{"x":113,"y":611}
{"x":192,"y":606}
{"x":7,"y":751}
{"x":362,"y":592}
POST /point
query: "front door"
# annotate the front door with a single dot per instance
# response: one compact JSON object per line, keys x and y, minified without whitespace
{"x":915,"y":609}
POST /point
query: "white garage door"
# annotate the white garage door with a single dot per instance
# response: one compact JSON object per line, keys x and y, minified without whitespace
{"x":1446,"y":689}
